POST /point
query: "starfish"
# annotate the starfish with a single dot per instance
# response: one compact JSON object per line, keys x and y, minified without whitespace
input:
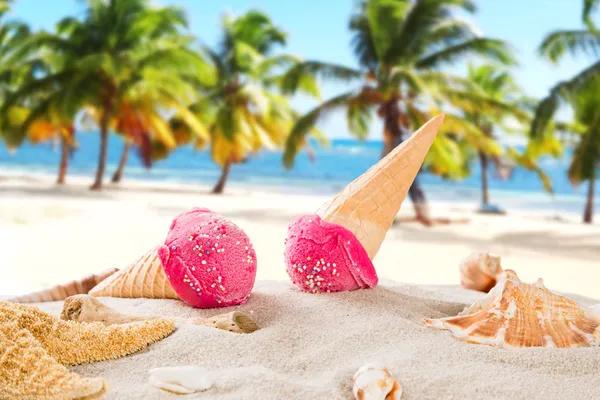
{"x":35,"y":347}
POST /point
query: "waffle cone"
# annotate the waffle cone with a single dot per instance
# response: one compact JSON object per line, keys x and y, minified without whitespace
{"x":368,"y":205}
{"x":61,"y":292}
{"x":145,"y":278}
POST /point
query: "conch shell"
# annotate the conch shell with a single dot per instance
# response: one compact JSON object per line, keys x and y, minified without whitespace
{"x":517,"y":314}
{"x":480,"y":271}
{"x":374,"y":382}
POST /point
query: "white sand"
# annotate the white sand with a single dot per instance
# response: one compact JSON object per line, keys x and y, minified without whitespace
{"x":309,"y":346}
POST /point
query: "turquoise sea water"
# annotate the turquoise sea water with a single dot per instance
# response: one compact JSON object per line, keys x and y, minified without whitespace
{"x":335,"y":166}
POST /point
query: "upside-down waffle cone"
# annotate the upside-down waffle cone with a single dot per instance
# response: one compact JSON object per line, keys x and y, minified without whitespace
{"x":61,"y":292}
{"x":144,"y":278}
{"x":368,"y":205}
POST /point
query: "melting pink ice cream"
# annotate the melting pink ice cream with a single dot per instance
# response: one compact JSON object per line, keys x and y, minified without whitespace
{"x":209,"y":261}
{"x":322,"y":257}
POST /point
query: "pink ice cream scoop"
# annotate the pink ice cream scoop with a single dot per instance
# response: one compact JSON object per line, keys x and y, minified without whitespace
{"x":208,"y":260}
{"x":325,"y":257}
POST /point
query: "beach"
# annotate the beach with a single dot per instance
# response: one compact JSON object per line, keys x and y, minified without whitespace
{"x":52,"y":234}
{"x":309,"y":346}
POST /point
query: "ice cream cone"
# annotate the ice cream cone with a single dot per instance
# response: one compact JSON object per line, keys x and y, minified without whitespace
{"x":368,"y":205}
{"x":145,"y":278}
{"x":61,"y":292}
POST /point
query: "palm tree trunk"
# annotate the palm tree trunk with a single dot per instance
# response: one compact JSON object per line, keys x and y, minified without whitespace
{"x":103,"y":148}
{"x":392,"y":137}
{"x":588,"y":214}
{"x":485,"y":196}
{"x":119,"y":172}
{"x":220,"y":186}
{"x":64,"y":161}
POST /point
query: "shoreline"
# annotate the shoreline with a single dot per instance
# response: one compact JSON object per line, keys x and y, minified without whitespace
{"x":509,"y":201}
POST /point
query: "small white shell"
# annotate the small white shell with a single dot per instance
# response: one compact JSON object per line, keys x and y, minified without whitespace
{"x":181,"y":380}
{"x":374,"y":382}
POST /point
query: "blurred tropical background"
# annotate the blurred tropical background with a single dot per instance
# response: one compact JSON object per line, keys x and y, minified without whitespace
{"x":305,"y":96}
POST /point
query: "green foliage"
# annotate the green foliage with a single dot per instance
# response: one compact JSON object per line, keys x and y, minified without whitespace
{"x":125,"y":62}
{"x":558,"y":43}
{"x":244,"y":108}
{"x":401,"y":46}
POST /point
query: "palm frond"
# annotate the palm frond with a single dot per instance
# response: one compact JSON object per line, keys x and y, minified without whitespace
{"x":588,"y":7}
{"x":525,"y":160}
{"x":293,"y":78}
{"x":363,"y":42}
{"x":557,"y":43}
{"x":491,"y":49}
{"x":557,"y":96}
{"x":385,"y":19}
{"x":304,"y":124}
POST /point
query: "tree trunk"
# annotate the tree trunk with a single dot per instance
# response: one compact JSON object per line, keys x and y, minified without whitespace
{"x":485,"y":196}
{"x":588,"y":214}
{"x":392,"y":137}
{"x":119,"y":172}
{"x":64,"y":161}
{"x":103,"y":147}
{"x":417,"y":196}
{"x":220,"y":186}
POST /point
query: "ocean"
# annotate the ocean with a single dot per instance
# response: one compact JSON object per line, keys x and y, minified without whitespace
{"x":335,"y":166}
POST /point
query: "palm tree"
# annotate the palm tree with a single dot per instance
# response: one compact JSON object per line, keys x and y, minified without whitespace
{"x":401,"y":46}
{"x":243,"y":108}
{"x":499,"y":86}
{"x":17,"y":68}
{"x":119,"y":49}
{"x":584,"y":101}
{"x":580,"y":93}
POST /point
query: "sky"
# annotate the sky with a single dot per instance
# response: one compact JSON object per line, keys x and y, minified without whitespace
{"x":318,"y":30}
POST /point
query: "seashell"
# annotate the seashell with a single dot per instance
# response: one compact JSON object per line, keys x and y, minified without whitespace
{"x":480,"y":271}
{"x":517,"y":314}
{"x":374,"y":382}
{"x":180,"y":380}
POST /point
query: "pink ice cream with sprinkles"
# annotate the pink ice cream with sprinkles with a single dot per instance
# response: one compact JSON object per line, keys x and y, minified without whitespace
{"x":322,"y":257}
{"x":209,"y":261}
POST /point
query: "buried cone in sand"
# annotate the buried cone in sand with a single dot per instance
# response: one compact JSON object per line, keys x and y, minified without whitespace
{"x":333,"y":249}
